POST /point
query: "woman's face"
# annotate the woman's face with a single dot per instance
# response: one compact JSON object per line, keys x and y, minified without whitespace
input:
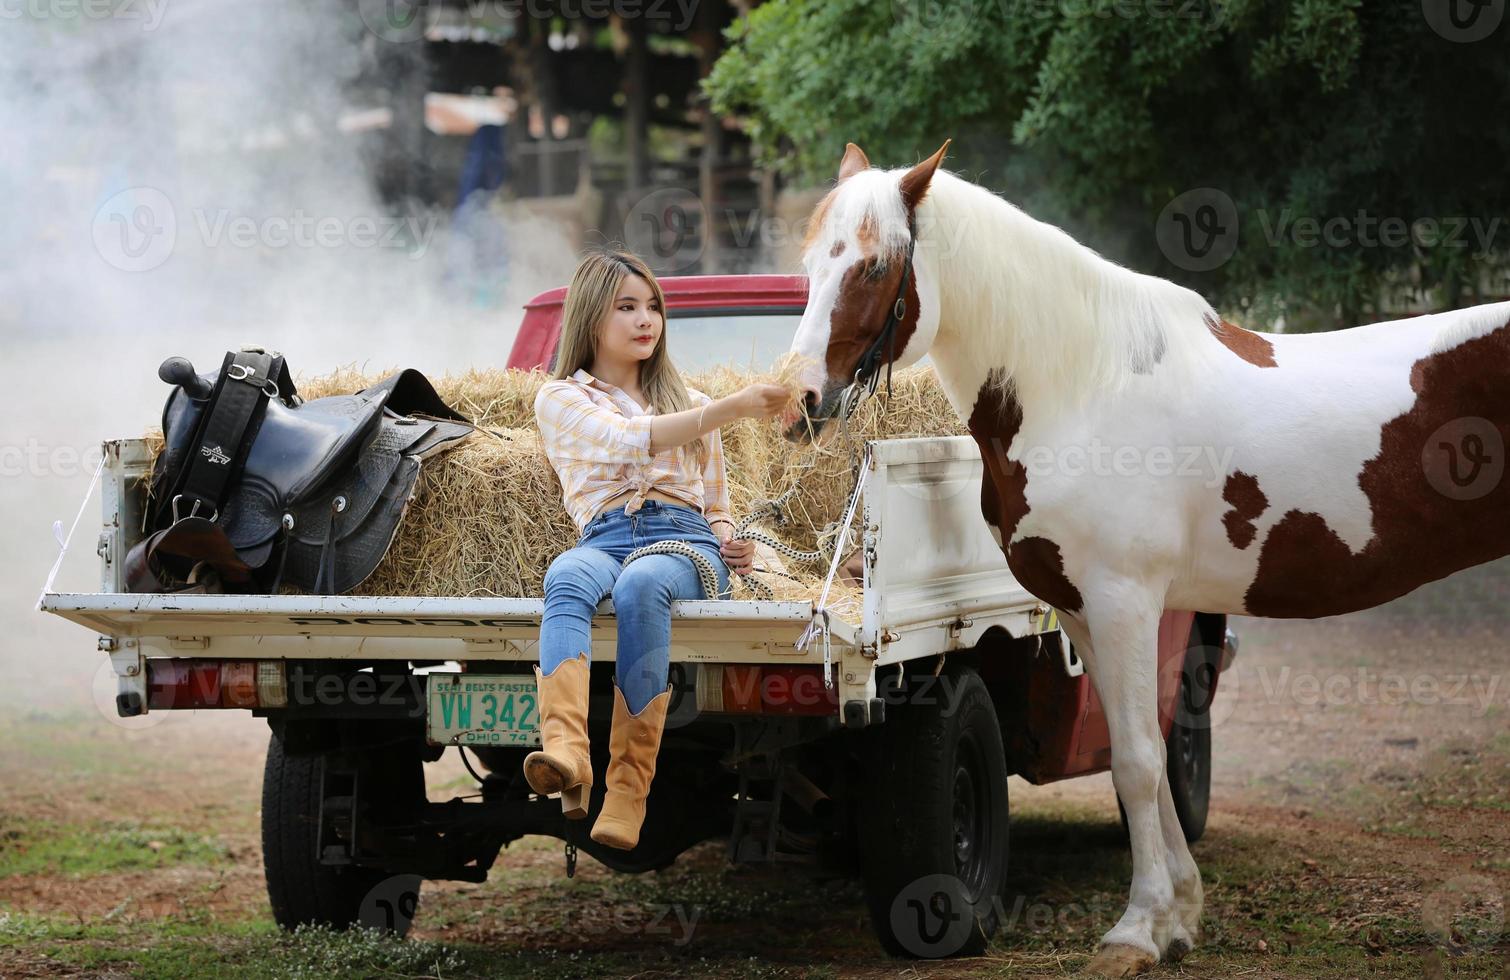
{"x":634,"y":324}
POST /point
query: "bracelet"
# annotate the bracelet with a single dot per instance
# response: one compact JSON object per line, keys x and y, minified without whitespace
{"x":700,"y":420}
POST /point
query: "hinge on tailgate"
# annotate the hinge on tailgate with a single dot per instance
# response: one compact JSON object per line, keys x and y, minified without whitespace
{"x":125,"y":655}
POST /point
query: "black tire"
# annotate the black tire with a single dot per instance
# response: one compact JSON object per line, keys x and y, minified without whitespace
{"x":934,"y":820}
{"x":1188,"y":747}
{"x":300,"y":889}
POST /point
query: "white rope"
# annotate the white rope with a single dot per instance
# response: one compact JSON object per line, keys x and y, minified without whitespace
{"x":820,"y":621}
{"x":63,"y":542}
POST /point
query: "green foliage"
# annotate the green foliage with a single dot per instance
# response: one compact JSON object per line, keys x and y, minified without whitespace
{"x":1096,"y":114}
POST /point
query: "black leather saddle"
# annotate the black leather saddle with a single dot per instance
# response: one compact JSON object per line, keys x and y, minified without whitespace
{"x":256,"y":488}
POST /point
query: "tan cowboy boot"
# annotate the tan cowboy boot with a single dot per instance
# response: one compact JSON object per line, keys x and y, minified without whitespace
{"x":563,"y":764}
{"x":633,"y":744}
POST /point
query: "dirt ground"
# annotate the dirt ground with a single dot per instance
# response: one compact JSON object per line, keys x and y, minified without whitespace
{"x":1360,"y":827}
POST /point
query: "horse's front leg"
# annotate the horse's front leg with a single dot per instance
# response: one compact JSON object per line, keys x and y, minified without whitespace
{"x":1120,"y":626}
{"x":1189,"y":896}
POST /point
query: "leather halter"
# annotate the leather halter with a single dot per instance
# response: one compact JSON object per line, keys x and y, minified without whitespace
{"x":868,"y":370}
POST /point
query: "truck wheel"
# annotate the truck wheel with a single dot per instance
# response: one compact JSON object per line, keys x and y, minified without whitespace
{"x":1189,"y":743}
{"x":933,"y":820}
{"x":299,"y":888}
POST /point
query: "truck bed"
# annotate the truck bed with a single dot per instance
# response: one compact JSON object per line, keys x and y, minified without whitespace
{"x":918,"y":601}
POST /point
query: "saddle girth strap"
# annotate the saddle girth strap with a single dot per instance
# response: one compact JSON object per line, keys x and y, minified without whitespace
{"x":228,"y":428}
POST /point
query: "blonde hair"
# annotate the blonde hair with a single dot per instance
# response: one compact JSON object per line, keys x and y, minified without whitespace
{"x":589,"y":297}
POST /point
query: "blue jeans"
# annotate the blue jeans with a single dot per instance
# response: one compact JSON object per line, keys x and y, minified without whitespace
{"x":577,"y":581}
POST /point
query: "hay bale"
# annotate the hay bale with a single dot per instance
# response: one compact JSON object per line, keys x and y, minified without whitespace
{"x":487,"y":517}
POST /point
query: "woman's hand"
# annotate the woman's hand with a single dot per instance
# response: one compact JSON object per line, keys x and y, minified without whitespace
{"x":763,"y":401}
{"x":738,"y":555}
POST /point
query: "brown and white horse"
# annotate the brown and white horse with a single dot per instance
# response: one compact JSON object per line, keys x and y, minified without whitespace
{"x":1141,"y":454}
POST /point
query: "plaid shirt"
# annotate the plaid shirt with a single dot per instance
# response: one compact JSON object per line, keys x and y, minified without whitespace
{"x":598,"y":440}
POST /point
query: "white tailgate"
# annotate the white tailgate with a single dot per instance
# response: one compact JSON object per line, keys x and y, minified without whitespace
{"x":415,"y":628}
{"x":935,"y":560}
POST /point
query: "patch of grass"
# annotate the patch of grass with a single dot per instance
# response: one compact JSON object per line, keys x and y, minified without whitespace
{"x":169,"y":950}
{"x":35,"y":846}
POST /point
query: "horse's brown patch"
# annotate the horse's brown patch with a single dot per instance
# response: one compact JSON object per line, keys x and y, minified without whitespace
{"x":861,"y":311}
{"x":1248,"y":502}
{"x":1036,"y":562}
{"x":836,"y":251}
{"x":1421,"y":533}
{"x":1244,"y":343}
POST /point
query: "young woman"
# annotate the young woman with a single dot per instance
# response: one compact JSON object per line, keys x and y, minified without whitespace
{"x":640,"y":460}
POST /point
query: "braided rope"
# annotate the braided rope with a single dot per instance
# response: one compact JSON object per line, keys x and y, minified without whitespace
{"x":828,"y":538}
{"x":773,"y":509}
{"x":705,"y":570}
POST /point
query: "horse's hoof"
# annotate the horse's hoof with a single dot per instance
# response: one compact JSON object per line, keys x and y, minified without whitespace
{"x":1120,"y":961}
{"x":1177,"y":950}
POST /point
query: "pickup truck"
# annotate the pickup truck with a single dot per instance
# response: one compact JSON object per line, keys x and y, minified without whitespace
{"x":893,"y":767}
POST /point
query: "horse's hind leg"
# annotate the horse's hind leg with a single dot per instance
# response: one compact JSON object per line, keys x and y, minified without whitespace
{"x":1122,"y":619}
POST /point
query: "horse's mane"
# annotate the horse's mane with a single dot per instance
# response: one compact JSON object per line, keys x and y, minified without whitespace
{"x":1064,"y":322}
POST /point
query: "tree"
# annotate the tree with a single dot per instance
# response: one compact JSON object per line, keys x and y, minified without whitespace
{"x":1348,"y":157}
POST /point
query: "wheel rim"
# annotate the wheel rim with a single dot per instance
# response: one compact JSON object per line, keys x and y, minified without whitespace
{"x":1192,"y":734}
{"x":971,"y":818}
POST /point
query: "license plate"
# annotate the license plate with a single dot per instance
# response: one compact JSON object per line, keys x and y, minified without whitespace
{"x":482,"y":709}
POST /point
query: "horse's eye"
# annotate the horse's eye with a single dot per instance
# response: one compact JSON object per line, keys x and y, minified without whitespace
{"x":874,"y":271}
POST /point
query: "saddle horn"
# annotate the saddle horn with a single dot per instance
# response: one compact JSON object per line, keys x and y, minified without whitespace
{"x":178,"y":371}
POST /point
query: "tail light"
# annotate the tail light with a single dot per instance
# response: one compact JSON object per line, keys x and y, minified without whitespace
{"x":189,"y":683}
{"x":753,"y":689}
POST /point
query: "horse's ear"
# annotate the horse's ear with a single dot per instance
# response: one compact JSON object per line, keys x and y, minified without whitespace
{"x":915,"y":181}
{"x":854,"y":161}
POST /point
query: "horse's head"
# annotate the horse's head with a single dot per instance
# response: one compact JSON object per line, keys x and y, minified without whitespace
{"x":872,"y":302}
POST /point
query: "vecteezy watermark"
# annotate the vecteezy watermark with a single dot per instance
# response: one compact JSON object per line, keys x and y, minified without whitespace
{"x":400,"y":21}
{"x":138,"y":229}
{"x":1198,"y":230}
{"x":933,"y":916}
{"x":35,"y":458}
{"x":1368,"y":687}
{"x":1464,"y":459}
{"x":669,"y":228}
{"x":1097,"y":458}
{"x":673,"y":920}
{"x":389,"y":906}
{"x":105,"y":688}
{"x":302,"y":230}
{"x":358,"y":689}
{"x":1463,"y":21}
{"x":1377,"y":231}
{"x":918,"y":17}
{"x":148,"y":12}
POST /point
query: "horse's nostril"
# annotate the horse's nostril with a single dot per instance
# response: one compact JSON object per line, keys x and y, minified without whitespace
{"x":810,"y":398}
